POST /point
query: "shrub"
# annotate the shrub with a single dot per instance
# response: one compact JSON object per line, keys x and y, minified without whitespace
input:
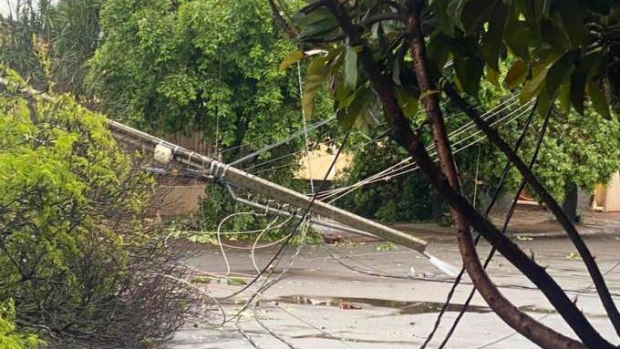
{"x":402,"y":198}
{"x":77,"y":255}
{"x":9,"y":338}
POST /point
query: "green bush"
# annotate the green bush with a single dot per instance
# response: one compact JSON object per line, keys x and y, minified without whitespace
{"x":9,"y":338}
{"x":78,"y":258}
{"x":402,"y":198}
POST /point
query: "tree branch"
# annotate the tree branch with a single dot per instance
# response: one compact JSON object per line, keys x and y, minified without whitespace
{"x":403,"y":134}
{"x":467,"y":247}
{"x":554,"y":207}
{"x":282,"y":23}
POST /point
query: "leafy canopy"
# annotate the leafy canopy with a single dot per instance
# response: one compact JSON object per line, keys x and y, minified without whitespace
{"x":208,"y":66}
{"x":559,"y":51}
{"x":562,"y":50}
{"x":9,"y":337}
{"x":50,"y":42}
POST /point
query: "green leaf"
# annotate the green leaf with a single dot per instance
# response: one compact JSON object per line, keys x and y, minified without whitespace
{"x":359,"y":104}
{"x":454,"y":11}
{"x":554,"y":34}
{"x":233,"y":281}
{"x":492,"y":76}
{"x":469,"y":70}
{"x":516,"y":75}
{"x":290,"y":59}
{"x":572,"y":15}
{"x":438,"y":50}
{"x":559,"y":72}
{"x":564,"y":97}
{"x":318,"y":24}
{"x":475,"y":13}
{"x":397,"y":65}
{"x":534,"y":85}
{"x":597,"y":90}
{"x":444,"y":21}
{"x":408,"y":101}
{"x":492,"y":39}
{"x":519,"y":37}
{"x":350,"y":67}
{"x":577,"y":89}
{"x":527,"y":8}
{"x":316,"y":75}
{"x":343,"y":97}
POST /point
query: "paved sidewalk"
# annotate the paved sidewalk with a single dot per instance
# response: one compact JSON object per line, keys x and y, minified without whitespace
{"x":528,"y":222}
{"x":321,"y":304}
{"x":541,"y":223}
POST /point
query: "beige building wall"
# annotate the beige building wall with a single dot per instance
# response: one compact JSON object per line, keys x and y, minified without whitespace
{"x":320,"y":160}
{"x":607,"y":197}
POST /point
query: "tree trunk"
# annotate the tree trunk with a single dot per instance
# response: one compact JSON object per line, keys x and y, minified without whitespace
{"x":511,"y":314}
{"x":571,"y":197}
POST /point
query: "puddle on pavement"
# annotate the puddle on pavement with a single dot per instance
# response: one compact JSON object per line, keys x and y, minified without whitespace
{"x":403,"y":307}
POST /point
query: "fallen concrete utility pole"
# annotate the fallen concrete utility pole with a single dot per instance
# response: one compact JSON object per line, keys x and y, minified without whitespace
{"x":296,"y":214}
{"x":165,"y":152}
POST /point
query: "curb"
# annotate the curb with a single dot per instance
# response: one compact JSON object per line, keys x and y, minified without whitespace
{"x":583,"y":231}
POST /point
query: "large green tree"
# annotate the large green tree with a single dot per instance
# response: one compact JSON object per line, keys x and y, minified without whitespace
{"x":206,"y":66}
{"x":393,"y":53}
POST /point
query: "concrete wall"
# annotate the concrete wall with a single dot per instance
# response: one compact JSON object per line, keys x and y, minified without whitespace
{"x":608,"y":197}
{"x":171,"y":201}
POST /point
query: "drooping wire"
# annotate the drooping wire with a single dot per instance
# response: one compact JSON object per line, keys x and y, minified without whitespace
{"x":476,"y":177}
{"x":299,"y":223}
{"x":303,"y":118}
{"x":217,"y":108}
{"x":284,"y":141}
{"x":405,"y":166}
{"x":585,"y":289}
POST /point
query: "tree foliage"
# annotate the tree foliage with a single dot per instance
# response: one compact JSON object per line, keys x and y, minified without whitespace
{"x":50,"y":43}
{"x":197,"y":65}
{"x":394,"y":199}
{"x":78,"y":257}
{"x":9,"y":337}
{"x":206,"y":67}
{"x":545,"y":42}
{"x":524,"y":44}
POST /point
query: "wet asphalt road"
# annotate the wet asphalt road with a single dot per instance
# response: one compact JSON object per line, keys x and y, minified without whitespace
{"x":320,"y":303}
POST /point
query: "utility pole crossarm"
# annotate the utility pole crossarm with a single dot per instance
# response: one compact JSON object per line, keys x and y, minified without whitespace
{"x":219,"y":171}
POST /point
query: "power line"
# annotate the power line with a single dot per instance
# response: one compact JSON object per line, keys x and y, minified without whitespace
{"x":405,"y":166}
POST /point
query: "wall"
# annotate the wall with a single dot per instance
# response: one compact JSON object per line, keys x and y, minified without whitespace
{"x":172,"y":201}
{"x":608,"y":197}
